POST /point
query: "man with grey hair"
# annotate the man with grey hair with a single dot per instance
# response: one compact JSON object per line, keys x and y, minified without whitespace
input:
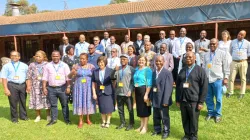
{"x":65,"y":44}
{"x":138,"y":43}
{"x":168,"y":58}
{"x":163,"y":39}
{"x":146,"y":39}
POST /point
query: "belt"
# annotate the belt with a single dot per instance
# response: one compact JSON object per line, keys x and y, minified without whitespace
{"x":240,"y":60}
{"x":56,"y":86}
{"x":16,"y":83}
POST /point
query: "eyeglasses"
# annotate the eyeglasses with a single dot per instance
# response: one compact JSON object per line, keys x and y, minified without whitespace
{"x":113,"y":51}
{"x":212,"y":43}
{"x":91,"y":48}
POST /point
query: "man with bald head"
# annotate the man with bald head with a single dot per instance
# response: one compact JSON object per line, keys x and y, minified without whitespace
{"x":106,"y":40}
{"x":138,"y":43}
{"x":163,"y":39}
{"x":179,"y":49}
{"x":202,"y":45}
{"x":93,"y":56}
{"x":81,"y":46}
{"x":171,"y":40}
{"x":14,"y":76}
{"x":65,"y":44}
{"x":109,"y":48}
{"x":191,"y":91}
{"x":217,"y":68}
{"x":125,"y":44}
{"x":161,"y":98}
{"x":240,"y":51}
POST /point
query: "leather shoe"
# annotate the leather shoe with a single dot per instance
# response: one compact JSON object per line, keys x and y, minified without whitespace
{"x":129,"y":127}
{"x":217,"y":119}
{"x":51,"y":123}
{"x":25,"y":119}
{"x":165,"y":136}
{"x":68,"y":122}
{"x":228,"y":95}
{"x":155,"y":133}
{"x":121,"y":126}
{"x":241,"y":96}
{"x":185,"y":138}
{"x":208,"y":118}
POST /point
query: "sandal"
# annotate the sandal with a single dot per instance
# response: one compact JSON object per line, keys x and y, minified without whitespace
{"x":89,"y":122}
{"x":103,"y":125}
{"x":107,"y":125}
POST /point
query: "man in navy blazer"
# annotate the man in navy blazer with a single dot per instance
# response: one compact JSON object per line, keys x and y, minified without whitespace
{"x":161,"y":98}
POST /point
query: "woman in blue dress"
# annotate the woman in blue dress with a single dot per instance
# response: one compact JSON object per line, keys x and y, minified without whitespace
{"x":83,"y":103}
{"x":143,"y":83}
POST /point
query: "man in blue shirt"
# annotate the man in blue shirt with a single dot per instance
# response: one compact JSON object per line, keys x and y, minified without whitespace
{"x":82,"y":46}
{"x":93,"y":56}
{"x":14,"y":76}
{"x":99,"y":48}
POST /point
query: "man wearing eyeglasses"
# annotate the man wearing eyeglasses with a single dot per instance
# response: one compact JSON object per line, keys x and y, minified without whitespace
{"x":99,"y":48}
{"x":163,"y":39}
{"x":62,"y":47}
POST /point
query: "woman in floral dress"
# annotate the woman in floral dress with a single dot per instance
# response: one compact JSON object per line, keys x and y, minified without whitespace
{"x":83,"y":103}
{"x":34,"y":86}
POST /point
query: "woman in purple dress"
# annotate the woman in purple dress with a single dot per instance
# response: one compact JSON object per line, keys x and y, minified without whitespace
{"x":83,"y":102}
{"x":34,"y":86}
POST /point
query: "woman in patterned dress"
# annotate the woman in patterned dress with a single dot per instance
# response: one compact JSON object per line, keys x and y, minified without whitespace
{"x":34,"y":86}
{"x":82,"y":92}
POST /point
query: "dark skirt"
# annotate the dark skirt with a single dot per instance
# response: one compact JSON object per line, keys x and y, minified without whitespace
{"x":141,"y":107}
{"x":106,"y":103}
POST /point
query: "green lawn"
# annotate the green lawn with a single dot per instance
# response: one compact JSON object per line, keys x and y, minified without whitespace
{"x":234,"y":126}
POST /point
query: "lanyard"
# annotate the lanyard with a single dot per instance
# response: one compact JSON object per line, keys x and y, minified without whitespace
{"x":239,"y":47}
{"x":122,"y":72}
{"x":16,"y":68}
{"x":157,"y":73}
{"x":188,"y":72}
{"x":39,"y":68}
{"x":182,"y":40}
{"x":57,"y":67}
{"x":212,"y":56}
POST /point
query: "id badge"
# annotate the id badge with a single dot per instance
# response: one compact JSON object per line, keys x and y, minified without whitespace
{"x":16,"y":78}
{"x":155,"y":89}
{"x":239,"y":53}
{"x":136,"y":85}
{"x":209,"y":65}
{"x":120,"y":84}
{"x":84,"y":80}
{"x":58,"y":77}
{"x":185,"y":85}
{"x":102,"y":87}
{"x":39,"y":77}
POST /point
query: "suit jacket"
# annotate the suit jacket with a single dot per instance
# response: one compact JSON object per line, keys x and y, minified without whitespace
{"x":107,"y":81}
{"x":164,"y":84}
{"x":137,"y":47}
{"x":61,"y":48}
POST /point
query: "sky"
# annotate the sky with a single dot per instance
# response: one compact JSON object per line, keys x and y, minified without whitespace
{"x":59,"y":4}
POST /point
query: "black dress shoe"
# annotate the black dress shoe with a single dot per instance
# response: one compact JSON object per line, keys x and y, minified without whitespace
{"x":25,"y":119}
{"x":68,"y":122}
{"x":228,"y":95}
{"x":208,"y":117}
{"x":155,"y":133}
{"x":129,"y":127}
{"x":165,"y":136}
{"x":15,"y":122}
{"x":217,"y":119}
{"x":241,"y":96}
{"x":185,"y":138}
{"x":51,"y":123}
{"x":121,"y":126}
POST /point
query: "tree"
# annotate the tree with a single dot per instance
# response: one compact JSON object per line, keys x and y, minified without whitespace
{"x":118,"y":1}
{"x":8,"y":11}
{"x":24,"y":9}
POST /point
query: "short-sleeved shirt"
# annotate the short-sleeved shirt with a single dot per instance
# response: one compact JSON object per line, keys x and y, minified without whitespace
{"x":81,"y":47}
{"x":15,"y":69}
{"x":240,"y":50}
{"x":56,"y":74}
{"x":92,"y":59}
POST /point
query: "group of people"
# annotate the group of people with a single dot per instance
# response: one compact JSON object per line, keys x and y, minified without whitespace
{"x":106,"y":74}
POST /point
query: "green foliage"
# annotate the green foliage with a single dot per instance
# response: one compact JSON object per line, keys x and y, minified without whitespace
{"x":118,"y":1}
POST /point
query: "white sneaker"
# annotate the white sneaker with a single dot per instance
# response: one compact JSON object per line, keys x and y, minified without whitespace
{"x":38,"y":118}
{"x":48,"y":118}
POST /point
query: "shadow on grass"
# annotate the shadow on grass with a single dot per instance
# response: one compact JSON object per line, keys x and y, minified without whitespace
{"x":5,"y":113}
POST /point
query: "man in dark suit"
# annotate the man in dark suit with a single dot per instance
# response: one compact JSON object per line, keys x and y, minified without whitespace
{"x":191,"y":91}
{"x":139,"y":43}
{"x":62,"y":47}
{"x":161,"y":97}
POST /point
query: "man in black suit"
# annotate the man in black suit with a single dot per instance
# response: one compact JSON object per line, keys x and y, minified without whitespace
{"x":161,"y":97}
{"x":191,"y":91}
{"x":139,"y":43}
{"x":62,"y":47}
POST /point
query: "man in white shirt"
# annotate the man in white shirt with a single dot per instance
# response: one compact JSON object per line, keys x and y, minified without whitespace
{"x":111,"y":46}
{"x":82,"y":46}
{"x":171,"y":40}
{"x":114,"y":61}
{"x":106,"y":40}
{"x":125,"y":44}
{"x":179,"y":49}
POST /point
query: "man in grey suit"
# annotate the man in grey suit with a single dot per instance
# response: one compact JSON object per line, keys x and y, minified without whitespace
{"x":62,"y":47}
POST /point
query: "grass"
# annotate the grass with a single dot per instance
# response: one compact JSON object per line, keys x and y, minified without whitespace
{"x":234,"y":126}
